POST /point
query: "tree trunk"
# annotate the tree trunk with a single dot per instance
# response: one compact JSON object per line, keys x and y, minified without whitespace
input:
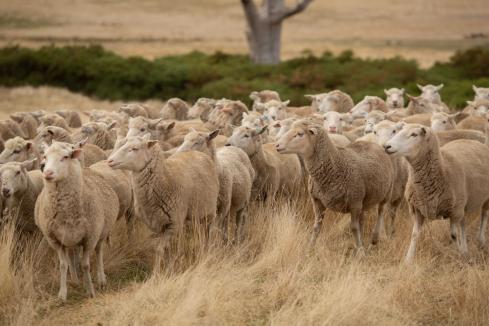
{"x":265,"y":28}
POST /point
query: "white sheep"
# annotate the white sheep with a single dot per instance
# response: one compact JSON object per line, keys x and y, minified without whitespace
{"x":19,"y":150}
{"x":76,"y":208}
{"x":335,"y":100}
{"x":481,"y":93}
{"x":368,"y":104}
{"x":394,"y":98}
{"x":448,"y":182}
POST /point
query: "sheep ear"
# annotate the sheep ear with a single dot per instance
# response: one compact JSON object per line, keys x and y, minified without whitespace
{"x":76,"y":153}
{"x":213,"y":134}
{"x":28,"y":164}
{"x":111,"y":125}
{"x":386,"y":92}
{"x":423,"y":131}
{"x":245,"y":114}
{"x":254,"y":95}
{"x":439,"y":87}
{"x":412,"y":98}
{"x":150,"y":143}
{"x":403,"y":91}
{"x":277,"y":124}
{"x":28,"y":145}
{"x":420,"y":87}
{"x":51,"y":131}
{"x":310,"y":97}
{"x":313,"y":131}
{"x":475,"y":88}
{"x":170,"y":126}
{"x":285,"y":103}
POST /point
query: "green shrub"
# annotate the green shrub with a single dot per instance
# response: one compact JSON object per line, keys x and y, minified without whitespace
{"x":96,"y":72}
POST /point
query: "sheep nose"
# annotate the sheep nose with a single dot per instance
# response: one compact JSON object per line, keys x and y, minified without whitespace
{"x":6,"y":192}
{"x":387,"y":148}
{"x":48,"y":174}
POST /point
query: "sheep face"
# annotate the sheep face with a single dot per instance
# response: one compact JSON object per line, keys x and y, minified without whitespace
{"x":362,"y":108}
{"x":59,"y":161}
{"x":409,"y":141}
{"x":133,"y":110}
{"x":385,"y":130}
{"x":297,"y":140}
{"x":197,"y":141}
{"x":133,"y":155}
{"x":431,"y":92}
{"x":200,"y":106}
{"x":420,"y":104}
{"x":441,"y":121}
{"x":18,"y":117}
{"x":16,"y":150}
{"x":481,"y":93}
{"x":38,"y":114}
{"x":329,"y":103}
{"x":14,"y":177}
{"x":247,"y":139}
{"x":316,"y":101}
{"x":278,"y":128}
{"x":253,"y":120}
{"x":394,"y":98}
{"x":50,"y":120}
{"x":140,"y":126}
{"x":372,"y":119}
{"x":333,"y":122}
{"x":481,"y":107}
{"x":276,"y":110}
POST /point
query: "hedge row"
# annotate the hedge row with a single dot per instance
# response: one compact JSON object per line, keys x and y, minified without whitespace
{"x":96,"y":72}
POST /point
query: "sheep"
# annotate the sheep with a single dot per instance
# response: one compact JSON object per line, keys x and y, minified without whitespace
{"x":107,"y":117}
{"x":474,"y":123}
{"x":368,"y":104}
{"x":372,"y":118}
{"x":442,"y":121}
{"x":349,"y":180}
{"x":335,"y":100}
{"x":394,"y":98}
{"x":50,"y":133}
{"x":421,"y":118}
{"x":10,"y":129}
{"x":19,"y":150}
{"x":132,"y":110}
{"x":201,"y":109}
{"x":27,"y":123}
{"x":98,"y":133}
{"x":51,"y":119}
{"x":72,"y":118}
{"x":91,"y":153}
{"x":263,"y":97}
{"x":274,"y":173}
{"x":275,"y":110}
{"x":175,"y":109}
{"x":333,"y":122}
{"x":168,"y":192}
{"x":20,"y":190}
{"x":76,"y":208}
{"x":447,"y":136}
{"x":236,"y":176}
{"x":481,"y":93}
{"x":448,"y":182}
{"x":254,"y":119}
{"x":38,"y":114}
{"x":477,"y":107}
{"x":432,"y":94}
{"x":226,"y":113}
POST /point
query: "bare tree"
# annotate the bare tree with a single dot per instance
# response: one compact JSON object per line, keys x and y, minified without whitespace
{"x":265,"y":27}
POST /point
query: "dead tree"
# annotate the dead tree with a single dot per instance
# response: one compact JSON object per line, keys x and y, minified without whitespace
{"x":265,"y":27}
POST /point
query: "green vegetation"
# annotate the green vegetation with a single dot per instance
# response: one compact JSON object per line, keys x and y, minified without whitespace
{"x":97,"y":72}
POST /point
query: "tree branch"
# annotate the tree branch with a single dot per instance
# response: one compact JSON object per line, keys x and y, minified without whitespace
{"x":289,"y":12}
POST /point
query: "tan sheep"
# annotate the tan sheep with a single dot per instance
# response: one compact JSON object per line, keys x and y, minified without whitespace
{"x":448,"y":182}
{"x":274,"y":173}
{"x":335,"y":100}
{"x":19,"y":150}
{"x":10,"y":129}
{"x":169,"y":193}
{"x":98,"y":133}
{"x":349,"y":180}
{"x":76,"y":208}
{"x":175,"y":109}
{"x":236,"y":176}
{"x":474,"y":123}
{"x":368,"y":104}
{"x":201,"y":109}
{"x":478,"y":107}
{"x":107,"y":117}
{"x":132,"y":110}
{"x":451,"y":135}
{"x":263,"y":97}
{"x":51,"y":119}
{"x":50,"y":133}
{"x":441,"y":121}
{"x":20,"y":190}
{"x":226,"y":113}
{"x":72,"y":118}
{"x":27,"y":123}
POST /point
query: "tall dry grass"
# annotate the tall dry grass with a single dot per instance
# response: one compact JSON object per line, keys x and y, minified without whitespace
{"x":271,"y":278}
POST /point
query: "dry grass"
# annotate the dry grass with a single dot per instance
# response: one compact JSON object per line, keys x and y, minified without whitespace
{"x":270,"y":278}
{"x":415,"y":29}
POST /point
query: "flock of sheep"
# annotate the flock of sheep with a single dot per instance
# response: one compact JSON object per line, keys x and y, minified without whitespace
{"x":205,"y":164}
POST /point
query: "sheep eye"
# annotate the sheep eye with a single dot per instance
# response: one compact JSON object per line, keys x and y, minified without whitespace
{"x":444,"y":122}
{"x":17,"y":173}
{"x":134,"y":149}
{"x":300,"y":134}
{"x":341,"y":119}
{"x":246,"y":136}
{"x":375,"y":132}
{"x":414,"y":135}
{"x":142,"y":129}
{"x":16,"y":151}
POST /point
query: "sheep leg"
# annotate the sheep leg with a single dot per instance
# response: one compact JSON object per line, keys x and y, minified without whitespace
{"x":482,"y":229}
{"x":318,"y":219}
{"x":418,"y":223}
{"x":101,"y":278}
{"x":63,"y":270}
{"x":162,"y":244}
{"x":379,"y":225}
{"x":85,"y":265}
{"x":356,"y":226}
{"x":453,"y":231}
{"x":240,"y":220}
{"x":392,"y":210}
{"x":462,"y":240}
{"x":73,"y":262}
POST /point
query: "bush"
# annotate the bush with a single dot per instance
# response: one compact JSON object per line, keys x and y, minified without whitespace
{"x":96,"y":72}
